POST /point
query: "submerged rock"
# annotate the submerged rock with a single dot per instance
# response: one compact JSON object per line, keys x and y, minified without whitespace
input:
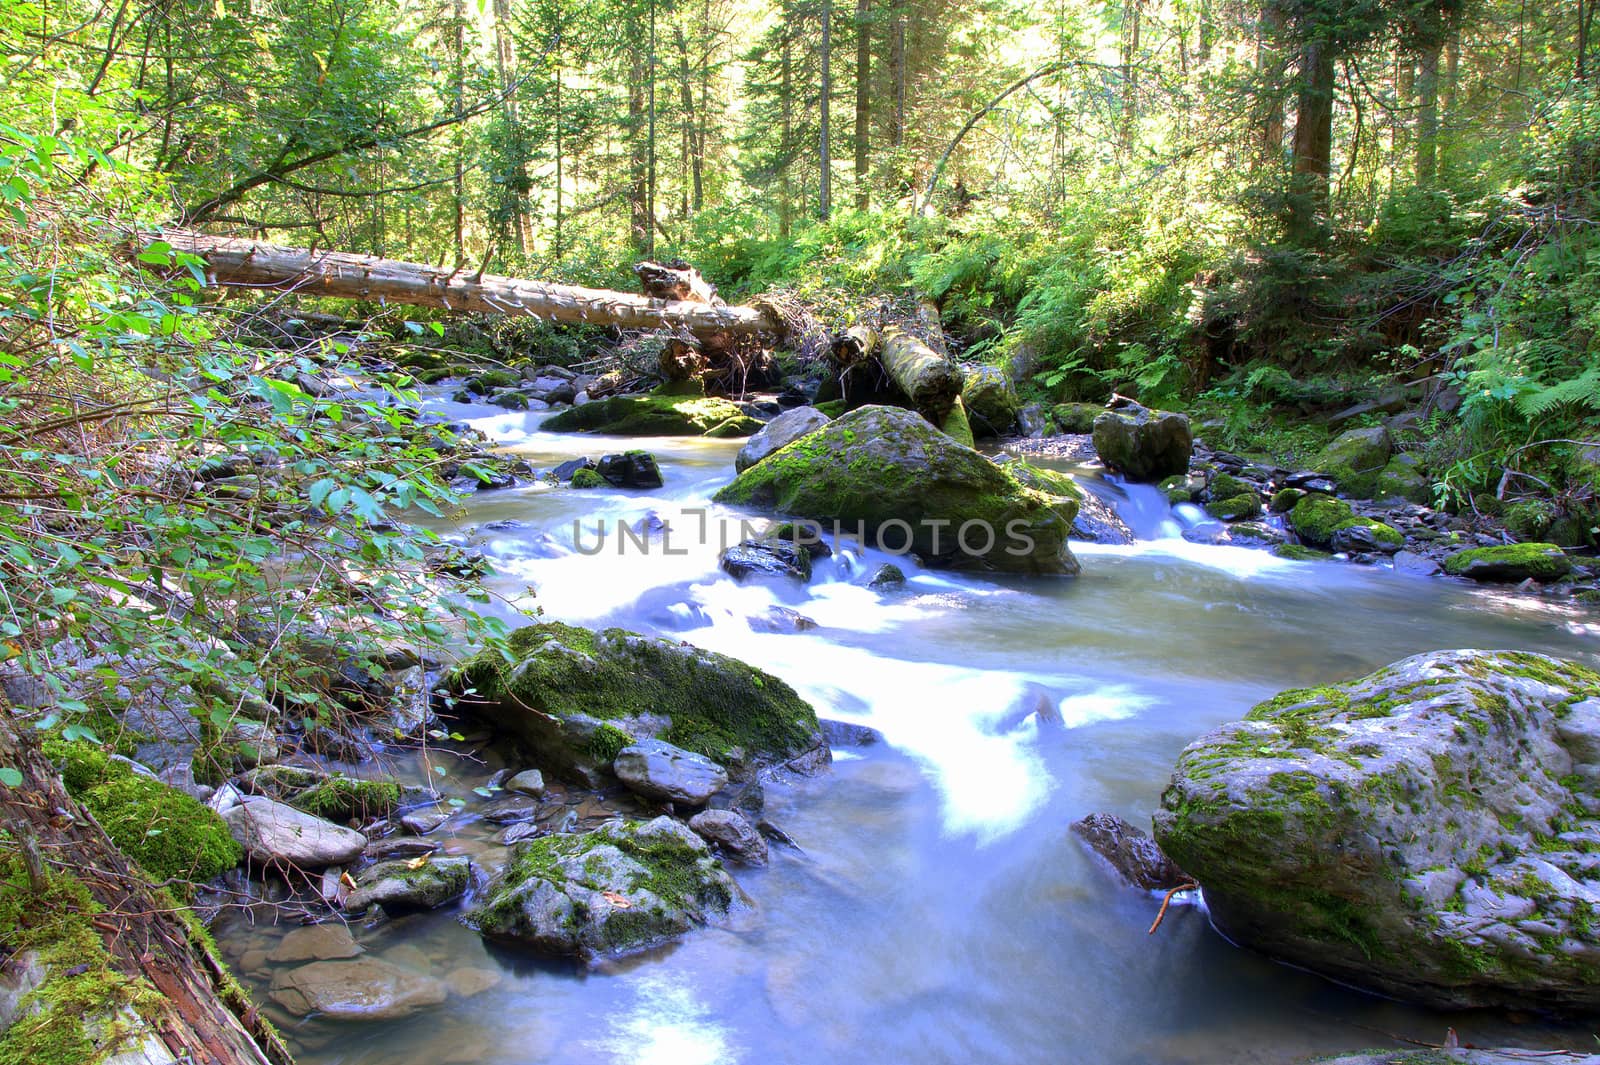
{"x":1429,"y":831}
{"x":1143,"y":444}
{"x":400,"y":886}
{"x":779,"y":433}
{"x":631,"y":469}
{"x":658,"y":770}
{"x":577,"y":697}
{"x":621,"y":888}
{"x":910,"y":488}
{"x":1130,"y":851}
{"x":655,"y":415}
{"x":362,"y":989}
{"x":1510,"y":563}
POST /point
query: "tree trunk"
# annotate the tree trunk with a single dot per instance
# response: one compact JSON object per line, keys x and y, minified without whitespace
{"x":824,"y":158}
{"x":251,"y":264}
{"x":1269,"y":62}
{"x":458,"y":182}
{"x":505,"y":54}
{"x":202,"y":1019}
{"x":931,"y":381}
{"x":786,"y":95}
{"x":1130,"y":75}
{"x":897,"y":73}
{"x":863,"y":130}
{"x":853,"y":347}
{"x":1405,"y":92}
{"x":640,"y":230}
{"x":1428,"y":114}
{"x":1313,"y":144}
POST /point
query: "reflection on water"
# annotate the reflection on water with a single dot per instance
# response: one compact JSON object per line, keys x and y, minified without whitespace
{"x":939,"y":911}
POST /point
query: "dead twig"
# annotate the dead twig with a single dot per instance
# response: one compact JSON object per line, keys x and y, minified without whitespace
{"x":1162,"y":915}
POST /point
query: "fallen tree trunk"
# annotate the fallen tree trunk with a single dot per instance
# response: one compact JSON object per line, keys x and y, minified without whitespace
{"x":196,"y":1013}
{"x":243,"y":263}
{"x":931,"y":381}
{"x":854,"y":346}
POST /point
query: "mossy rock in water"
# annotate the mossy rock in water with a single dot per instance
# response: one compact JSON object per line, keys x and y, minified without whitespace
{"x":1510,"y":563}
{"x":341,"y":798}
{"x":1143,"y":444}
{"x":1298,"y":553}
{"x":1419,"y":832}
{"x":1284,"y":500}
{"x":991,"y":401}
{"x":1232,"y":499}
{"x":655,"y":415}
{"x":170,"y":834}
{"x":888,"y":475}
{"x":1177,"y":489}
{"x":587,"y":478}
{"x":1363,"y":534}
{"x":577,"y":696}
{"x":492,"y":381}
{"x":624,"y":887}
{"x":1355,"y":459}
{"x":1076,"y":418}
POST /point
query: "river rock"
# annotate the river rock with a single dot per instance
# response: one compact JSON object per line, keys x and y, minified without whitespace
{"x":318,"y":942}
{"x":779,"y":433}
{"x":577,"y":697}
{"x":991,"y":401}
{"x":783,"y":559}
{"x":402,"y":886}
{"x":908,"y":487}
{"x":274,"y":832}
{"x":888,"y":575}
{"x":658,"y":770}
{"x":527,"y":782}
{"x":364,"y":989}
{"x":624,"y":887}
{"x":1462,"y":1056}
{"x":1429,"y":831}
{"x":657,"y":414}
{"x":1355,"y":460}
{"x":732,"y":835}
{"x":1510,"y":563}
{"x":631,"y":469}
{"x":1143,"y":444}
{"x":1322,"y":521}
{"x":1403,"y":479}
{"x":1130,"y":851}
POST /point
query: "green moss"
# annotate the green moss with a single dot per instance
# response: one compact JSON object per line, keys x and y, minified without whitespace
{"x":1076,"y":418}
{"x":1284,"y":499}
{"x":78,"y":1006}
{"x":716,"y":704}
{"x":957,"y":426}
{"x":1176,"y":489}
{"x":492,"y":380}
{"x":1542,"y":562}
{"x":1381,"y":533}
{"x":170,"y":834}
{"x":1236,"y":508}
{"x":833,"y":407}
{"x":655,"y":415}
{"x":1297,"y":553}
{"x":1317,"y":517}
{"x":587,"y":478}
{"x":341,"y":798}
{"x":606,"y":743}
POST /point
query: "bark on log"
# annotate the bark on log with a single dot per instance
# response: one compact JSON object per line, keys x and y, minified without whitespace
{"x":144,"y":937}
{"x":682,"y":361}
{"x":854,"y":346}
{"x":244,"y":263}
{"x":675,"y":280}
{"x":930,"y":380}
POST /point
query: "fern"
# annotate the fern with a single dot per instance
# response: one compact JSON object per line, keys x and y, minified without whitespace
{"x":1583,"y":391}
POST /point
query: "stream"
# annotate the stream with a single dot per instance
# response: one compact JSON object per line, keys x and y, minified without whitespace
{"x":938,"y":911}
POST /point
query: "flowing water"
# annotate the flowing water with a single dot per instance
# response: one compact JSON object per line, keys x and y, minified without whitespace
{"x":939,"y":911}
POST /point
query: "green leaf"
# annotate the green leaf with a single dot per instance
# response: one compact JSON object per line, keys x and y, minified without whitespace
{"x":11,"y":778}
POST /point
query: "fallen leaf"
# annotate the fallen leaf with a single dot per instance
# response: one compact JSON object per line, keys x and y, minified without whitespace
{"x":347,"y":880}
{"x":417,"y":863}
{"x":619,"y":901}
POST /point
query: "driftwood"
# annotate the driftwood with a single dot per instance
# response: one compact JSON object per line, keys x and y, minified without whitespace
{"x":200,"y":1021}
{"x":243,"y":263}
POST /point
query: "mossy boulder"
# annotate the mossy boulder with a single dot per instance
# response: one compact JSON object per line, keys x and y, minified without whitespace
{"x":169,"y":833}
{"x":492,"y":381}
{"x":406,"y":886}
{"x":1284,"y":500}
{"x":577,"y":697}
{"x":1427,"y":831}
{"x":888,"y":475}
{"x":1143,"y":444}
{"x":991,"y":401}
{"x":1510,"y":563}
{"x":342,"y":798}
{"x":777,"y":434}
{"x":1317,"y":516}
{"x":587,"y":478}
{"x":1076,"y":418}
{"x":1367,"y":535}
{"x":1403,"y":479}
{"x":624,"y":887}
{"x":1300,"y":553}
{"x":656,"y":414}
{"x":1355,"y":459}
{"x":1232,"y":499}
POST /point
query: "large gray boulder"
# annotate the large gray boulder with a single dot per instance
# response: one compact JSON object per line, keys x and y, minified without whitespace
{"x":658,"y":770}
{"x":1143,"y":444}
{"x":890,"y":476}
{"x":361,"y":989}
{"x":778,"y":434}
{"x":1430,"y":831}
{"x":276,"y":833}
{"x":621,"y":888}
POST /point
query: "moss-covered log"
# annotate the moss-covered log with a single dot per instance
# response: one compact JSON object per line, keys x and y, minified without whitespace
{"x":121,"y":965}
{"x":930,"y":380}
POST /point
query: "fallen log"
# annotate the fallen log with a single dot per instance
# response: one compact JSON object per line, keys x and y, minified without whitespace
{"x":675,"y":280}
{"x":853,"y":347}
{"x":190,"y":1008}
{"x":243,"y":263}
{"x":931,"y":381}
